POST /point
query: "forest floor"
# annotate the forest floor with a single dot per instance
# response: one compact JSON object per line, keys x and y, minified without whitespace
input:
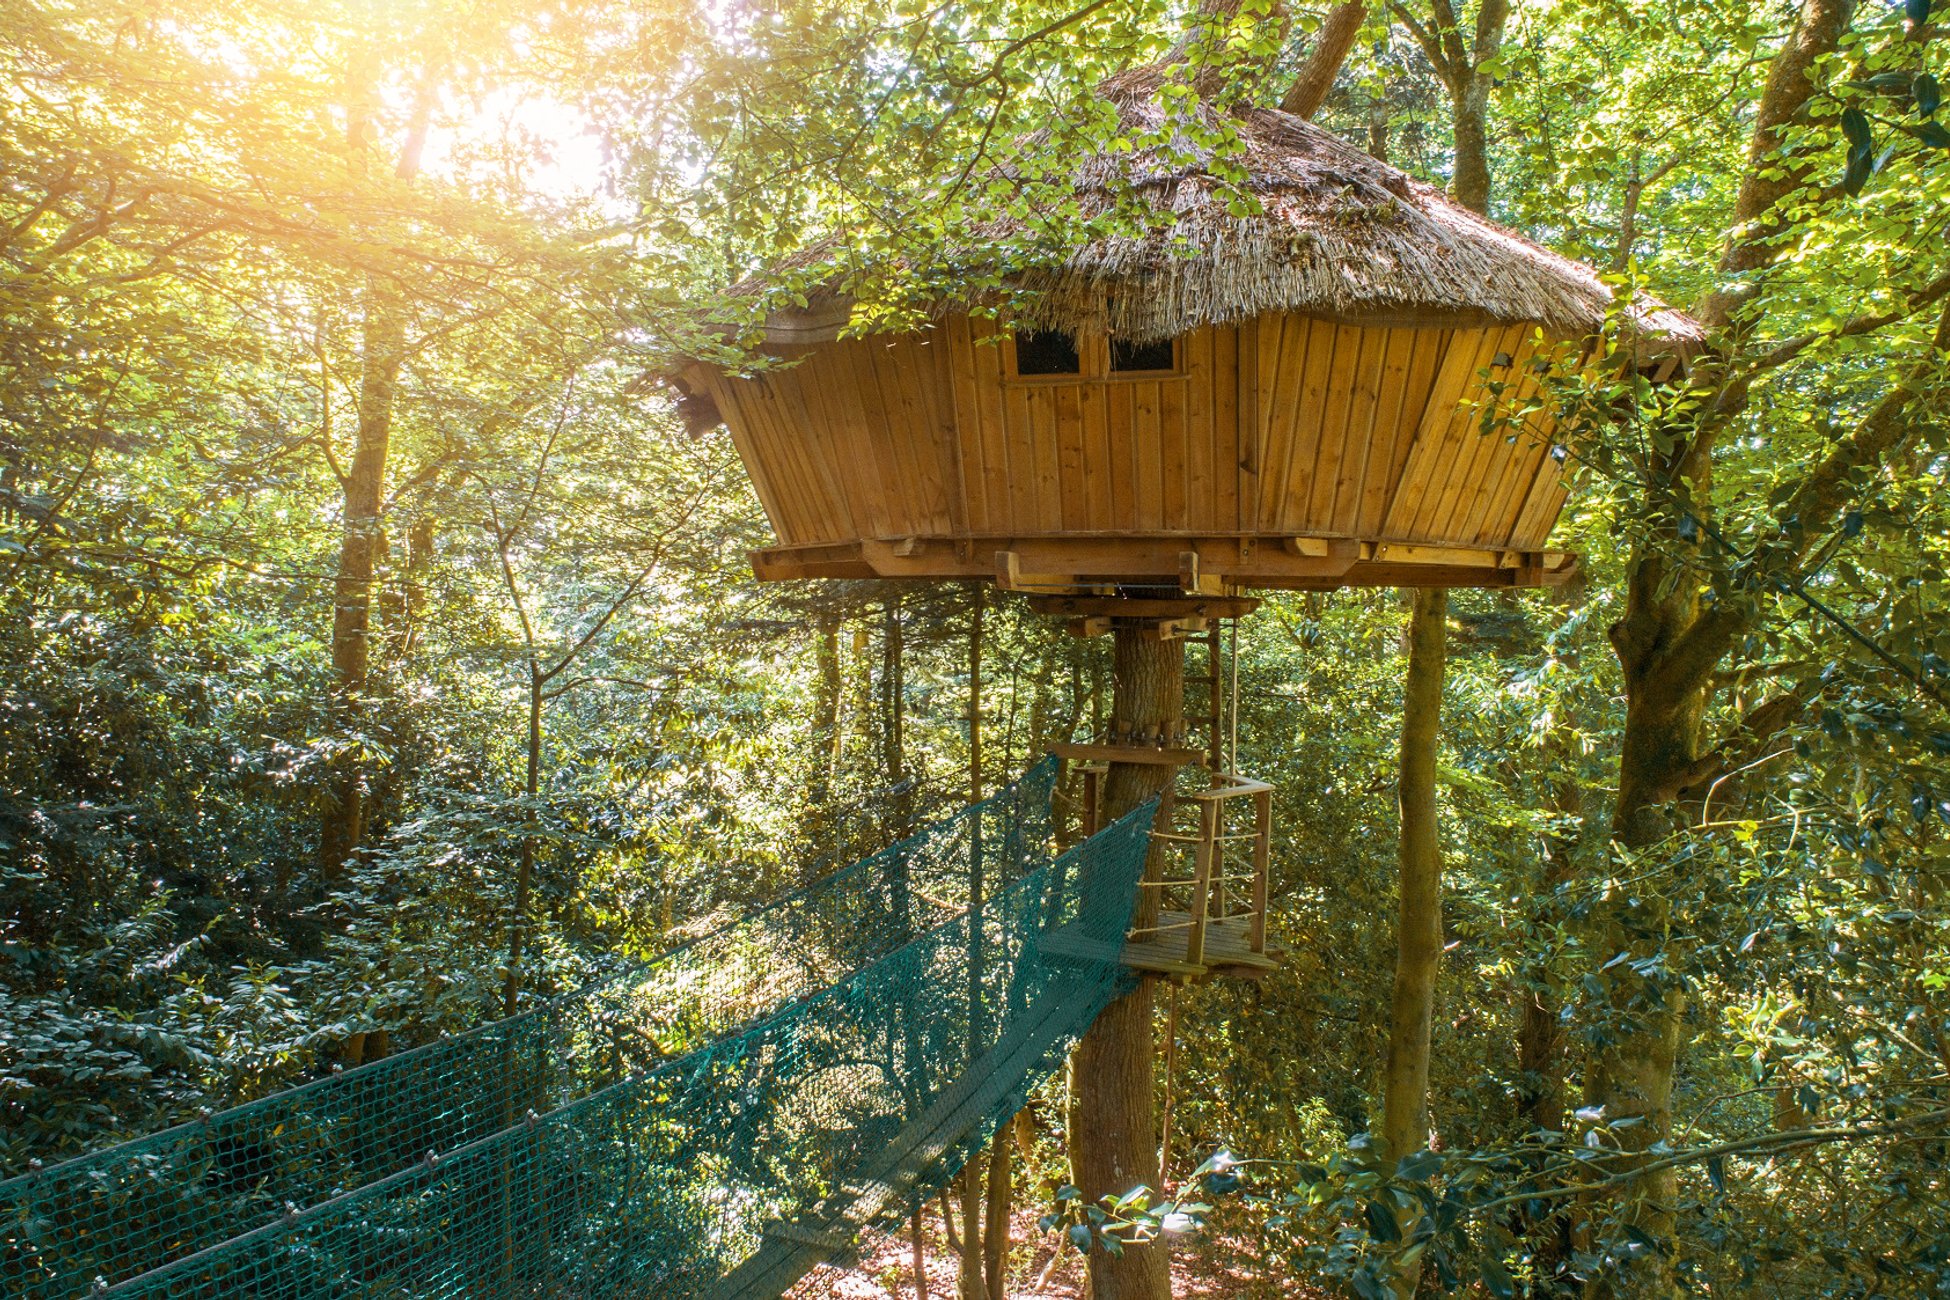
{"x":1211,"y":1265}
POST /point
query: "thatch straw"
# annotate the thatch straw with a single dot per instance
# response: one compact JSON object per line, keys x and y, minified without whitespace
{"x":1337,"y":234}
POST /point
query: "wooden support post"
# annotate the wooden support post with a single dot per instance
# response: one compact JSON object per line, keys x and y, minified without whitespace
{"x":1113,"y":1107}
{"x":1203,"y":854}
{"x":1262,"y":860}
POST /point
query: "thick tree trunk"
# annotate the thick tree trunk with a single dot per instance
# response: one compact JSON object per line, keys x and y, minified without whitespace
{"x":969,"y":1284}
{"x":1418,"y":927}
{"x":1113,"y":1118}
{"x":1471,"y":181}
{"x":995,"y":1226}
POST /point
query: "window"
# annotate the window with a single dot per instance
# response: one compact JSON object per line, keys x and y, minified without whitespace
{"x":1046,"y":352}
{"x":1126,"y":355}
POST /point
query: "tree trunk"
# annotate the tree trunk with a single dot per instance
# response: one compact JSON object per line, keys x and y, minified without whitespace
{"x":995,"y":1228}
{"x":1323,"y":62}
{"x":1471,"y":183}
{"x":825,"y":746}
{"x":1418,"y":929}
{"x":363,"y":486}
{"x":893,"y":721}
{"x":525,"y":869}
{"x":1112,"y":1117}
{"x":361,"y":542}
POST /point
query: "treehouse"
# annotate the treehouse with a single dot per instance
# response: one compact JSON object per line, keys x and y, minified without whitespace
{"x":1288,"y":399}
{"x":1344,"y":384}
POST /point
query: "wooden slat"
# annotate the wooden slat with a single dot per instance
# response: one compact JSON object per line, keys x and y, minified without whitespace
{"x":937,"y":403}
{"x":1201,"y":503}
{"x":1100,"y":472}
{"x":1172,"y":454}
{"x":1385,"y":428}
{"x":1428,"y":459}
{"x":763,"y":469}
{"x":1150,"y":489}
{"x":805,"y":439}
{"x":1019,"y":463}
{"x":967,"y":413}
{"x":1469,"y":449}
{"x":1222,"y":414}
{"x":1284,"y":356}
{"x":1346,"y":429}
{"x":1004,"y":515}
{"x":1425,"y":355}
{"x":1122,"y":467}
{"x":1073,"y":482}
{"x":1482,"y":517}
{"x":882,"y":432}
{"x":1363,"y":427}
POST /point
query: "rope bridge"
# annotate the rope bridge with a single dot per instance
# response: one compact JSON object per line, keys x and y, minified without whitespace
{"x":714,"y":1122}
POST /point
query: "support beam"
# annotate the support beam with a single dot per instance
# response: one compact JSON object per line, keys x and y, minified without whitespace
{"x":1113,"y":1125}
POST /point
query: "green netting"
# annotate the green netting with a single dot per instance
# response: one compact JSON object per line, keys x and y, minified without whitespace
{"x":108,"y":1216}
{"x":734,"y":1169}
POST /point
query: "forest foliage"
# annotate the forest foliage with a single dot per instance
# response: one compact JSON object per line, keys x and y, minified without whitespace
{"x":380,"y":649}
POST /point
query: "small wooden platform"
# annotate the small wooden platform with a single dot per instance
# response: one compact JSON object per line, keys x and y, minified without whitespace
{"x":1227,"y":953}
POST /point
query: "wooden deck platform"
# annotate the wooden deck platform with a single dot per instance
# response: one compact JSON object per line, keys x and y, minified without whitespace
{"x":1227,"y":953}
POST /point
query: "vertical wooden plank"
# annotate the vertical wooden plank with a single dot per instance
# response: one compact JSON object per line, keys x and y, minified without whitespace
{"x":1275,"y":423}
{"x":1072,"y":485}
{"x":1363,"y":425}
{"x":905,"y":368}
{"x":1426,"y":463}
{"x":1004,"y":505}
{"x":1172,"y":453}
{"x":808,"y":429}
{"x":831,"y":388}
{"x":1148,"y":441}
{"x":1334,"y":428}
{"x":1049,"y":463}
{"x":1323,"y":418}
{"x":1541,"y":505}
{"x":1100,"y":471}
{"x":969,"y":453}
{"x":1426,"y":348}
{"x":1471,"y":450}
{"x":1019,"y":460}
{"x":1247,"y":419}
{"x":1202,"y":512}
{"x":1302,"y":346}
{"x":932,"y":384}
{"x":763,"y":470}
{"x":1385,"y":430}
{"x":1122,"y":465}
{"x":872,"y":410}
{"x":1485,"y":507}
{"x":1223,"y":414}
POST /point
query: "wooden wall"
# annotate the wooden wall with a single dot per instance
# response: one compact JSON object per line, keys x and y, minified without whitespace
{"x":1283,"y":426}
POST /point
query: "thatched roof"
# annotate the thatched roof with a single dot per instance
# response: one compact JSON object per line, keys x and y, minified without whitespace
{"x":1338,"y":234}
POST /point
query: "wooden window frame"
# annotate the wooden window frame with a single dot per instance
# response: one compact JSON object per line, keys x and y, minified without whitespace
{"x":1093,"y":364}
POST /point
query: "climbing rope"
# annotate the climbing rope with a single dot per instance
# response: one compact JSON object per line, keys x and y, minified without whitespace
{"x":96,"y":1221}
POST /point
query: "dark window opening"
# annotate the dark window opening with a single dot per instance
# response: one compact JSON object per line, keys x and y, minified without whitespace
{"x":1046,"y":352}
{"x":1126,"y":355}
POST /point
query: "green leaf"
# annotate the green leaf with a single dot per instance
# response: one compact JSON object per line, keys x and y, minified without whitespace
{"x":1933,"y":134}
{"x":1917,"y":11}
{"x":1497,"y":1280}
{"x":1855,"y":126}
{"x":1861,"y":163}
{"x":1927,"y":94}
